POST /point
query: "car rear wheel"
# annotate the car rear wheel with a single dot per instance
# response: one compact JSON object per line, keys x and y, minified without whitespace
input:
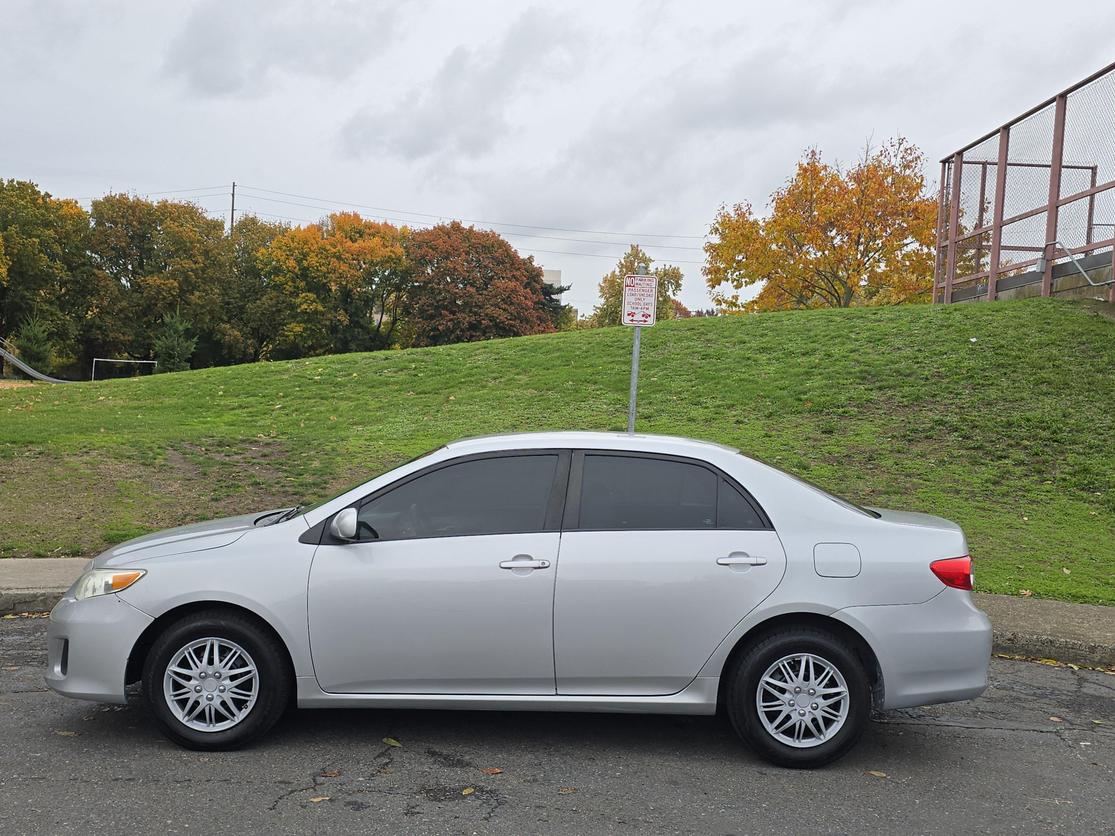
{"x":800,"y":697}
{"x":216,"y":680}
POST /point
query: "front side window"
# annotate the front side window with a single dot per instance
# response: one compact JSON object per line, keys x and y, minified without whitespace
{"x":505,"y":495}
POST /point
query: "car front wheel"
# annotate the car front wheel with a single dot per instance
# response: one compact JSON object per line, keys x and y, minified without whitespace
{"x":799,"y":697}
{"x":216,"y":680}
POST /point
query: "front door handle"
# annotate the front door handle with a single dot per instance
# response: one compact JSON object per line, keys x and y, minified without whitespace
{"x":741,"y":559}
{"x":524,"y":561}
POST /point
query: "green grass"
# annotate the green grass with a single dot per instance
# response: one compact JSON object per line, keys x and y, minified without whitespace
{"x":999,"y":416}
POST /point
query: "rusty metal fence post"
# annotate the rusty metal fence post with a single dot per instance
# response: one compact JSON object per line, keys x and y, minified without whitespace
{"x":997,"y":212}
{"x":1054,"y":193}
{"x":954,"y":224}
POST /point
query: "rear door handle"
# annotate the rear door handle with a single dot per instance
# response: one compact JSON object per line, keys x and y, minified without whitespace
{"x":741,"y":559}
{"x":523,"y":561}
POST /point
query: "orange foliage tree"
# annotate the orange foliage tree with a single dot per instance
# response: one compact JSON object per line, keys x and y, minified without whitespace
{"x":833,"y":238}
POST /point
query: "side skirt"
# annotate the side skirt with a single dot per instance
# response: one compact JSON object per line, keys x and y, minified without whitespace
{"x":699,"y":697}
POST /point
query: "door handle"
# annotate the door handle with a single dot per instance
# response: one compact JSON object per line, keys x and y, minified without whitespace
{"x":524,"y":562}
{"x":741,"y":559}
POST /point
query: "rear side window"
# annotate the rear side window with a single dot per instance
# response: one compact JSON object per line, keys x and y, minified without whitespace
{"x":505,"y":495}
{"x":733,"y":510}
{"x":627,"y":492}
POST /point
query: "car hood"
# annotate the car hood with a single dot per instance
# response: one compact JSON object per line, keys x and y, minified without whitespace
{"x":185,"y":538}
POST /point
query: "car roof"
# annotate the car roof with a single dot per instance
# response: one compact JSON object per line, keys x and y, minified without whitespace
{"x":605,"y":440}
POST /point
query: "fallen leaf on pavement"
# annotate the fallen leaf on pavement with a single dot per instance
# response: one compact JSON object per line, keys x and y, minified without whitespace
{"x":330,"y":773}
{"x":468,"y":791}
{"x":66,"y":733}
{"x":876,"y":773}
{"x":1056,"y":719}
{"x":317,"y":799}
{"x":566,"y":790}
{"x":491,"y":770}
{"x":390,"y":741}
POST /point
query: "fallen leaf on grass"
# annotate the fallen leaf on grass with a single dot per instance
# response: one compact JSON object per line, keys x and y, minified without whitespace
{"x":468,"y":791}
{"x":566,"y":790}
{"x":390,"y":741}
{"x":1026,"y":593}
{"x":1066,"y":570}
{"x":876,"y":773}
{"x":491,"y":770}
{"x":317,"y":799}
{"x":330,"y":773}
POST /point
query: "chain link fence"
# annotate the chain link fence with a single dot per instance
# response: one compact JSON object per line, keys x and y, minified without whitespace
{"x":1029,"y":208}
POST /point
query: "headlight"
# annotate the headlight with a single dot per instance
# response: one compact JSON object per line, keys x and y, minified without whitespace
{"x":105,"y":581}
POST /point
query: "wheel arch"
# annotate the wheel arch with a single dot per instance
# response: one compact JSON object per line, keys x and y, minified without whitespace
{"x":138,"y":655}
{"x":827,"y":623}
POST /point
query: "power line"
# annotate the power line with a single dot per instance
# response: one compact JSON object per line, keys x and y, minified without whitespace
{"x":516,"y":246}
{"x":510,"y":234}
{"x":168,"y":191}
{"x":472,"y":220}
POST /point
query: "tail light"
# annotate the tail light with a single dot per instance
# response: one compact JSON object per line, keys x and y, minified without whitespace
{"x":954,"y":571}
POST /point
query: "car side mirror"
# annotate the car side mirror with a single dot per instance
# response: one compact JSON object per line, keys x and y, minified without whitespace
{"x":343,"y":525}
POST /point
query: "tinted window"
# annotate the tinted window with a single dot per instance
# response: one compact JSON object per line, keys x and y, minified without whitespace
{"x":483,"y":496}
{"x":734,"y":511}
{"x":625,"y":492}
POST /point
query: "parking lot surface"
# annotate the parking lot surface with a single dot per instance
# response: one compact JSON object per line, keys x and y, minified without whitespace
{"x":1035,"y":754}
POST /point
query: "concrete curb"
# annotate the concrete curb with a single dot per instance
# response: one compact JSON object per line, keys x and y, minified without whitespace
{"x":1089,"y":654}
{"x":29,"y":600}
{"x":1082,"y":634}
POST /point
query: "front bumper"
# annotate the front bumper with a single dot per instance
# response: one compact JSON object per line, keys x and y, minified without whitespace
{"x":88,"y":643}
{"x":938,"y":651}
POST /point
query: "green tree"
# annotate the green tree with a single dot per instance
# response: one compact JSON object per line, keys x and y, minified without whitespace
{"x":470,"y":284}
{"x":561,"y":316}
{"x":44,"y":267}
{"x":35,"y":346}
{"x":172,"y":345}
{"x":248,"y":304}
{"x":611,"y":287}
{"x":157,"y":259}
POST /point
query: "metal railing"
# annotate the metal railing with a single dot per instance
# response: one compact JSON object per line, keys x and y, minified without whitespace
{"x":1008,"y":200}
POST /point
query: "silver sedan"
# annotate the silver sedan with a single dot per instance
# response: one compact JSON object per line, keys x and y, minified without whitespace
{"x":548,"y":571}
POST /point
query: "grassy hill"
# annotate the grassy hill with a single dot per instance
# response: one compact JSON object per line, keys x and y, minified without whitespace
{"x":999,"y":416}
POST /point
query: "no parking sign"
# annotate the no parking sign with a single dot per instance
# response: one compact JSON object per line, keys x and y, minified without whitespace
{"x":640,"y":300}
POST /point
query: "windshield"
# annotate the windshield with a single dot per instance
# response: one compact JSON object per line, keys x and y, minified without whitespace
{"x":305,"y":509}
{"x":845,"y":503}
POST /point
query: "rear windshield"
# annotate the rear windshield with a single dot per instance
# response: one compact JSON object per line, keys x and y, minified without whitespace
{"x":845,"y":503}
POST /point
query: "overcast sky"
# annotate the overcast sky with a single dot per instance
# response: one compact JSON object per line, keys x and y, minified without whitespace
{"x":571,"y":119}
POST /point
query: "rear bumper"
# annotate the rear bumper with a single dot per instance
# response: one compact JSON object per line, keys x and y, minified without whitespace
{"x":938,"y":651}
{"x":88,"y":643}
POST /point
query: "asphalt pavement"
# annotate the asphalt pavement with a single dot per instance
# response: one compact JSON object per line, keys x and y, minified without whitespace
{"x":1035,"y":754}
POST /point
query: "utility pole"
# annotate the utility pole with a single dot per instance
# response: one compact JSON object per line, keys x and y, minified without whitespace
{"x":232,"y":211}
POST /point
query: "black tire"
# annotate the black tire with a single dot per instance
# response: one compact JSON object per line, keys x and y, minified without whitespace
{"x":273,"y":669}
{"x":743,"y":684}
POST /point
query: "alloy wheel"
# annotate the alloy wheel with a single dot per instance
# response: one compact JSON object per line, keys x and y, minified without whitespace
{"x":802,"y":700}
{"x":211,"y":684}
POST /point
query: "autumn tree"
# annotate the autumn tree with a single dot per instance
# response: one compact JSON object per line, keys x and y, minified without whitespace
{"x":833,"y":238}
{"x":470,"y":284}
{"x":333,"y":286}
{"x":611,"y":287}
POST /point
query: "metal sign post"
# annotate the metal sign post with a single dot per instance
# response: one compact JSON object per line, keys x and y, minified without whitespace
{"x":640,"y":309}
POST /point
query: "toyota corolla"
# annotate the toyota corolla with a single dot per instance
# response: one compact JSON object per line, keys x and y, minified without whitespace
{"x":547,"y":571}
